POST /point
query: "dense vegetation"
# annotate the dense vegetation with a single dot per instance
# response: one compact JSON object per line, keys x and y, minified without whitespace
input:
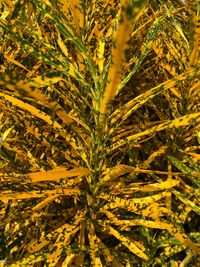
{"x":100,"y":133}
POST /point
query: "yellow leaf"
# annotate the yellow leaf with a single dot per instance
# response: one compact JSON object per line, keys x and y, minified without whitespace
{"x":129,"y":14}
{"x":114,"y":75}
{"x":57,"y":173}
{"x":63,"y":233}
{"x":38,"y":113}
{"x":42,"y":81}
{"x":9,"y":3}
{"x":94,"y":248}
{"x":77,"y":13}
{"x":160,"y":186}
{"x":152,"y":157}
{"x":182,"y":237}
{"x":5,"y":135}
{"x":195,"y":52}
{"x":43,"y":203}
{"x":123,"y":112}
{"x":100,"y":54}
{"x":127,"y":242}
{"x":115,"y":172}
{"x":2,"y":263}
{"x":6,"y":195}
{"x":62,"y":45}
{"x":133,"y":204}
{"x":178,"y":122}
{"x":9,"y":58}
{"x":68,"y":259}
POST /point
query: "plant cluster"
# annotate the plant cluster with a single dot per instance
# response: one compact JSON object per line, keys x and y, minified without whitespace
{"x":100,"y":133}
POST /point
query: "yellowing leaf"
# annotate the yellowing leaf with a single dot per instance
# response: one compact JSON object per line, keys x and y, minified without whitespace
{"x":100,"y":54}
{"x":68,"y":259}
{"x":94,"y":247}
{"x":129,"y":15}
{"x":188,"y":202}
{"x":178,"y":122}
{"x":152,"y":157}
{"x":43,"y":203}
{"x":161,"y":186}
{"x":42,"y":81}
{"x":62,"y":45}
{"x":9,"y":58}
{"x":63,"y":234}
{"x":38,"y":113}
{"x":128,"y":108}
{"x":57,"y":173}
{"x":77,"y":13}
{"x":195,"y":52}
{"x":127,"y":242}
{"x":115,"y":172}
{"x":114,"y":75}
{"x":182,"y":237}
{"x":133,"y":204}
{"x":6,"y":195}
{"x":5,"y":135}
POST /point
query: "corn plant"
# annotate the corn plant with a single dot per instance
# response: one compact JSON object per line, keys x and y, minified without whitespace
{"x":100,"y":136}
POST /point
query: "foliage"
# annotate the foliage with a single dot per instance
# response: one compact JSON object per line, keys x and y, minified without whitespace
{"x":100,"y":136}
